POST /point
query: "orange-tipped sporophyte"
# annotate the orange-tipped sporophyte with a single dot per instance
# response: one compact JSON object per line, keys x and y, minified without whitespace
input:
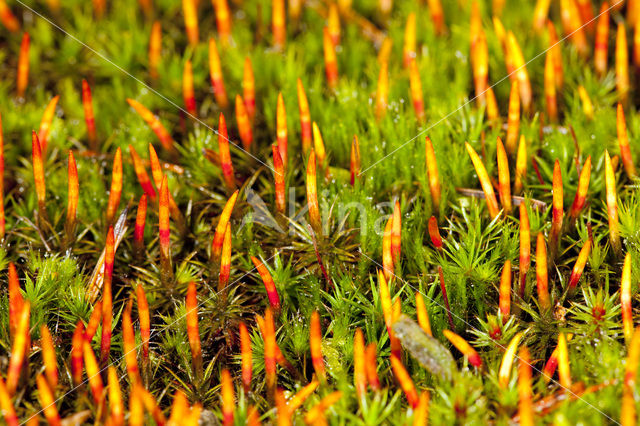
{"x":623,"y":143}
{"x":246,"y":357}
{"x":223,"y":19}
{"x":573,"y":26}
{"x":141,"y":173}
{"x":520,"y":71}
{"x":587,"y":15}
{"x":622,"y":64}
{"x":136,"y":410}
{"x":2,"y":212}
{"x":504,"y":180}
{"x":301,"y":396}
{"x":387,"y":257}
{"x":480,"y":66}
{"x":188,"y":94}
{"x":157,"y":174}
{"x":249,"y":88}
{"x":225,"y":261}
{"x":581,"y":193}
{"x":151,"y":405}
{"x":6,"y":406}
{"x":270,"y":345}
{"x":436,"y":13}
{"x":49,"y":357}
{"x":385,"y":50}
{"x":415,"y":90}
{"x":116,"y":187}
{"x":601,"y":43}
{"x":628,"y":412}
{"x":221,"y":227}
{"x":485,"y":182}
{"x":319,"y":149}
{"x":464,"y":347}
{"x":330,"y":59}
{"x":305,"y":118}
{"x":278,"y":23}
{"x":315,"y":344}
{"x":396,"y":233}
{"x":316,"y":414}
{"x":557,"y":212}
{"x":551,"y":365}
{"x":116,"y":408}
{"x":388,"y":313}
{"x":7,"y":18}
{"x":434,"y":233}
{"x":333,"y":23}
{"x":636,"y":44}
{"x":521,"y":166}
{"x":193,"y":332}
{"x":19,"y":348}
{"x":505,"y":291}
{"x":312,"y":195}
{"x":155,"y":49}
{"x":22,"y":75}
{"x":540,"y":14}
{"x":409,"y":48}
{"x":76,"y":363}
{"x":513,"y":119}
{"x":47,"y":401}
{"x":215,"y":73}
{"x":382,"y":92}
{"x":190,"y":12}
{"x":432,"y":175}
{"x":542,"y":278}
{"x":244,"y":124}
{"x":227,"y":397}
{"x":73,"y":195}
{"x":164,"y":232}
{"x":94,"y":321}
{"x":421,"y":412}
{"x":587,"y":105}
{"x":371,"y":366}
{"x":93,"y":374}
{"x":144,"y":319}
{"x":281,"y":130}
{"x":45,"y":123}
{"x":15,"y":298}
{"x":626,"y":298}
{"x":564,"y":372}
{"x":129,"y":347}
{"x":279,"y":176}
{"x":556,"y":54}
{"x":525,"y":392}
{"x":354,"y":162}
{"x":612,"y":204}
{"x":493,"y":113}
{"x":578,"y":267}
{"x":359,"y":363}
{"x":225,"y":154}
{"x":507,"y":361}
{"x":138,"y":232}
{"x":422,"y":314}
{"x":269,"y":284}
{"x":404,"y":379}
{"x":107,"y":298}
{"x":550,"y":94}
{"x":38,"y":174}
{"x":154,"y":123}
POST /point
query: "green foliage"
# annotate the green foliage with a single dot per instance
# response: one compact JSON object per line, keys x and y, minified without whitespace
{"x":333,"y":273}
